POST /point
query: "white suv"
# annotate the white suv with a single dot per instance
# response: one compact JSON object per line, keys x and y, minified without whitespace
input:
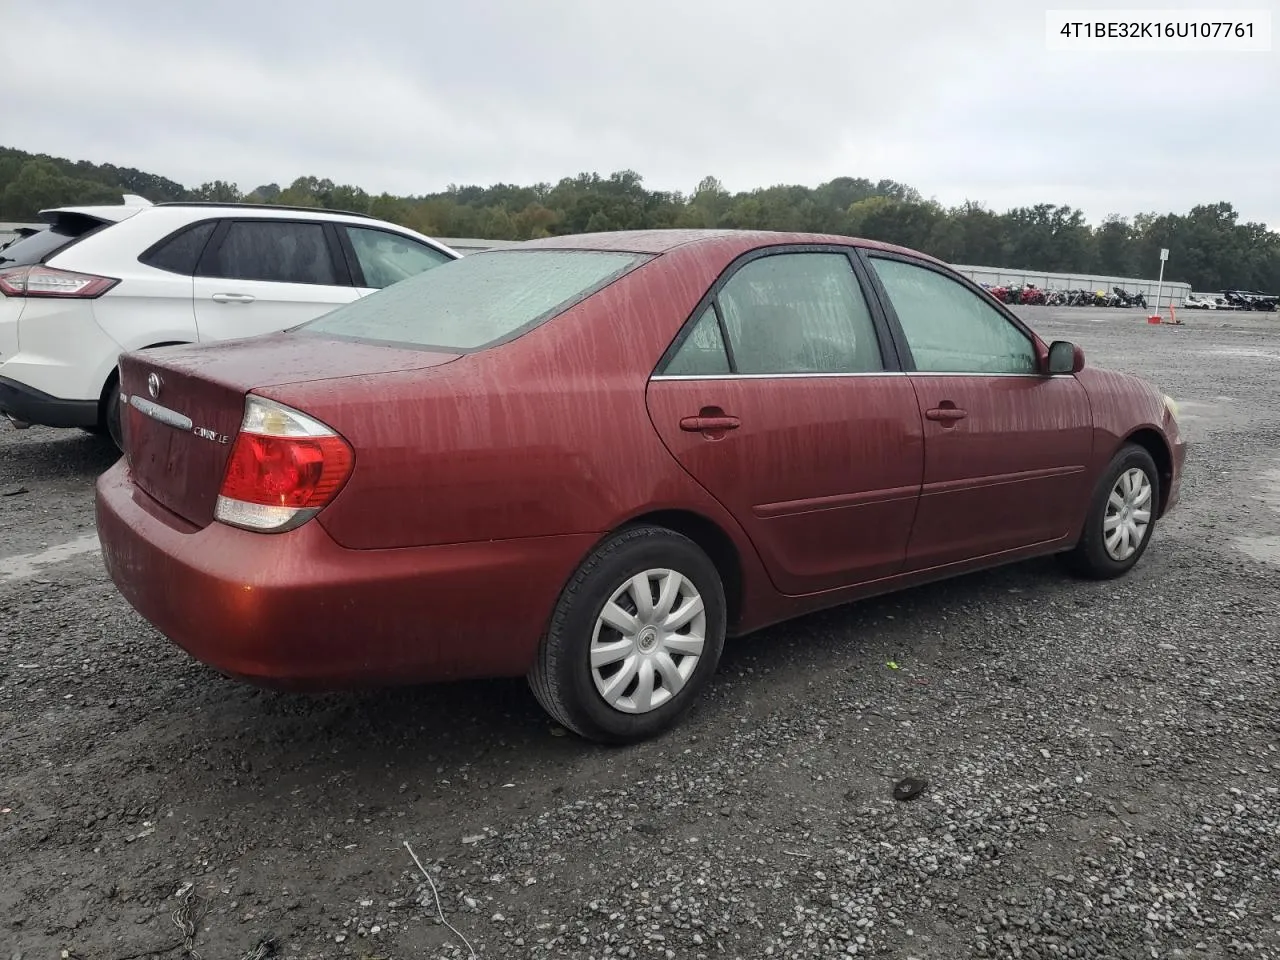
{"x":104,"y":280}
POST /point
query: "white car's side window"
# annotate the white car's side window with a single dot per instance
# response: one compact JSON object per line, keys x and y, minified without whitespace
{"x":279,"y":251}
{"x":386,"y":258}
{"x":949,"y":328}
{"x":180,"y":252}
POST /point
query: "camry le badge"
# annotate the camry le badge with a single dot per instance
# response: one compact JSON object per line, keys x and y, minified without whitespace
{"x":207,"y":434}
{"x":153,"y":385}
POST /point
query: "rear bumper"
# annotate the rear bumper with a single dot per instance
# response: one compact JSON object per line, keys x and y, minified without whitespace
{"x":296,"y":610}
{"x":33,"y":406}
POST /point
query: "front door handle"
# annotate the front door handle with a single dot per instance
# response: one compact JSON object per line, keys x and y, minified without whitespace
{"x":946,"y":412}
{"x":709,"y":424}
{"x":233,"y":298}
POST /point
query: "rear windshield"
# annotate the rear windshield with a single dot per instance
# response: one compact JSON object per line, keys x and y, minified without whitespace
{"x":477,"y":301}
{"x":45,"y":243}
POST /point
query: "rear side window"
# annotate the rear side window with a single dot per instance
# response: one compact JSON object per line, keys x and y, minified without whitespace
{"x":180,"y":252}
{"x":478,"y":301}
{"x":45,"y":243}
{"x":703,"y":352}
{"x":799,"y":313}
{"x":281,"y":252}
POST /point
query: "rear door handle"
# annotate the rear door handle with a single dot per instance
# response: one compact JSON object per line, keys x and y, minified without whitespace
{"x":706,"y":424}
{"x":946,"y":414}
{"x":233,"y":298}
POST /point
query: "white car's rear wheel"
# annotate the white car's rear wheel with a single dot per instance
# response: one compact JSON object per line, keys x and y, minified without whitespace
{"x":111,"y":416}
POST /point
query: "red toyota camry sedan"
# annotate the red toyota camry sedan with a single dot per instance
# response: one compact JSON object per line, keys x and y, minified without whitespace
{"x":589,"y":459}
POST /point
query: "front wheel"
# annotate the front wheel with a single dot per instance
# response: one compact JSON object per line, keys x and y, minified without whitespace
{"x":636,"y":634}
{"x":1121,"y":518}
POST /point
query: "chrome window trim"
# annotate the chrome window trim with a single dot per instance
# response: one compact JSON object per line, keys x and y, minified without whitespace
{"x":958,"y":373}
{"x":880,"y":373}
{"x":774,"y":376}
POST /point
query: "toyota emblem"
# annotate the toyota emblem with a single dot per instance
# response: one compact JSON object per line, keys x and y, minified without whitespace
{"x":153,"y":385}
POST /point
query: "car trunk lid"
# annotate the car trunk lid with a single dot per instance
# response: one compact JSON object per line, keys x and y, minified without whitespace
{"x":181,"y":407}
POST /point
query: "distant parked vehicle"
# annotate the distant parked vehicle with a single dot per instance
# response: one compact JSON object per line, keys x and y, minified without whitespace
{"x":1194,"y":301}
{"x":1251,"y":300}
{"x":102,"y":280}
{"x":589,"y":459}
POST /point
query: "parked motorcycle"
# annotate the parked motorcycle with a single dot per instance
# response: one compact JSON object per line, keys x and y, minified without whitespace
{"x":1031,"y":295}
{"x":1129,"y":299}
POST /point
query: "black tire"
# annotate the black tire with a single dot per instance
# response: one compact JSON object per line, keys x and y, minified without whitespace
{"x":1090,"y":558}
{"x":561,"y":676}
{"x":111,"y":415}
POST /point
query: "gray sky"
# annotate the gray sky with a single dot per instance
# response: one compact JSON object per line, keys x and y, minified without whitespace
{"x":961,"y":101}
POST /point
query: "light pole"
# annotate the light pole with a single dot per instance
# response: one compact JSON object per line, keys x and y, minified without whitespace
{"x":1164,"y":255}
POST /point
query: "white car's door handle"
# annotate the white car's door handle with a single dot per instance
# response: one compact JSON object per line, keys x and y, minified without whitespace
{"x":233,"y":298}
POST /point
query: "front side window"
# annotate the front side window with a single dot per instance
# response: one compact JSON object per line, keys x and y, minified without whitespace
{"x":949,"y":328}
{"x":280,"y":252}
{"x":386,"y":258}
{"x":477,"y":301}
{"x":799,"y":313}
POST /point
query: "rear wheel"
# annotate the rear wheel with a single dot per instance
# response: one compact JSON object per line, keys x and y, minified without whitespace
{"x":111,"y":415}
{"x":635,"y":636}
{"x":1121,"y":518}
{"x":108,"y":424}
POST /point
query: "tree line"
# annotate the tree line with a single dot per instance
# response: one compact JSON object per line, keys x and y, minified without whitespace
{"x":1211,"y":249}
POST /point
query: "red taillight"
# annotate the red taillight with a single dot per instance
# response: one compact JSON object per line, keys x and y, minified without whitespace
{"x":286,"y":471}
{"x":40,"y":281}
{"x":284,"y":466}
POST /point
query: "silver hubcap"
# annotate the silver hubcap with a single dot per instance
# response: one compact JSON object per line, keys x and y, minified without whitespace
{"x":648,"y":640}
{"x":1128,"y":515}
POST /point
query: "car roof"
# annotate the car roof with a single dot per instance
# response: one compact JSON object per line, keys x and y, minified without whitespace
{"x":134,"y":204}
{"x":664,"y":240}
{"x":279,"y":209}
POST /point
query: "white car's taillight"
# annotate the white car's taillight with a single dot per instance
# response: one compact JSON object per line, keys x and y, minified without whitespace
{"x":284,"y":467}
{"x":40,"y":281}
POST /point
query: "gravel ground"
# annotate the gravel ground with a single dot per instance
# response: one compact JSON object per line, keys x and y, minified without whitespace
{"x":1103,"y":760}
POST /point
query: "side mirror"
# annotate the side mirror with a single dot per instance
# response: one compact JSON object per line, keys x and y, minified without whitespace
{"x":1065,"y":357}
